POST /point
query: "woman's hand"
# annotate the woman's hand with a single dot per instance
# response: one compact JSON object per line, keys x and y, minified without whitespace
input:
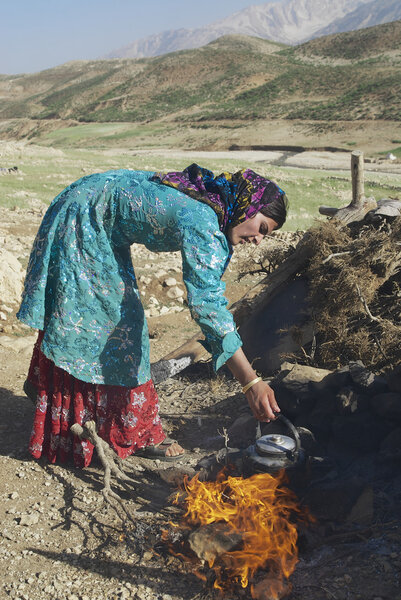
{"x":262,"y":402}
{"x":260,"y":395}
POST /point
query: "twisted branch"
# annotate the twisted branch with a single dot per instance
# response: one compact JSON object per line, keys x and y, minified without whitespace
{"x":112,"y":465}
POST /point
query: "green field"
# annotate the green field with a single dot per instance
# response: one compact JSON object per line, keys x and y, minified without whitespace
{"x":44,"y":171}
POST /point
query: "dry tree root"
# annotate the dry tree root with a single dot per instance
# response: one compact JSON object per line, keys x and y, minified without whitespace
{"x":112,"y":465}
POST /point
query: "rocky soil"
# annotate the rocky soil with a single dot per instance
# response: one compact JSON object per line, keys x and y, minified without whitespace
{"x":60,"y":540}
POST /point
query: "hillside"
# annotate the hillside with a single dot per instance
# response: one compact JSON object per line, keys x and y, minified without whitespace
{"x":232,"y":82}
{"x":382,"y":41}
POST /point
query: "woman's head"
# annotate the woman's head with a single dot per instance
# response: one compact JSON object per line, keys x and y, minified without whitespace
{"x":265,"y":208}
{"x":256,"y":194}
{"x":234,"y":197}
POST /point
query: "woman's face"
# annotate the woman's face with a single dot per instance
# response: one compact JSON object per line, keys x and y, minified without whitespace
{"x":252,"y":230}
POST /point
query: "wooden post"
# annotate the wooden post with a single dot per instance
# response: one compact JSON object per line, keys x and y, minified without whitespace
{"x":359,"y":205}
{"x":358,"y":180}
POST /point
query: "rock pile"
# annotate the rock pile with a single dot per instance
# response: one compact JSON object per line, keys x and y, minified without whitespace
{"x":348,"y":410}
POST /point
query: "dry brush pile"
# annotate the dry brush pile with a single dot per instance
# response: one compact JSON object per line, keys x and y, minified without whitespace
{"x":354,"y":293}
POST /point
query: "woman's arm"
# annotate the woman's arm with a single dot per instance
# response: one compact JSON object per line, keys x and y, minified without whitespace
{"x":260,"y":396}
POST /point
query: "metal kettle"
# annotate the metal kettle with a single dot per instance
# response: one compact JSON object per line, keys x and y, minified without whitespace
{"x":272,"y":452}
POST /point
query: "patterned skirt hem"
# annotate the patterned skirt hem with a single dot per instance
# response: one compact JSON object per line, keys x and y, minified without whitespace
{"x":126,"y":418}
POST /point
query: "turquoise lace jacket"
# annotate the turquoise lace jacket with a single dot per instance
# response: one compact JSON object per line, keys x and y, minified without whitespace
{"x":80,"y":286}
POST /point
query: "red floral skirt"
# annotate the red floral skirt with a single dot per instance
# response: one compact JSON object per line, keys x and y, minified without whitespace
{"x":126,"y":418}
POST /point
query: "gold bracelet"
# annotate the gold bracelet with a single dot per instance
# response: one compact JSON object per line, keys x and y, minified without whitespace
{"x":250,"y":384}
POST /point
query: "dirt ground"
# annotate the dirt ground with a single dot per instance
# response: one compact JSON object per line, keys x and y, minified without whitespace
{"x":59,"y":540}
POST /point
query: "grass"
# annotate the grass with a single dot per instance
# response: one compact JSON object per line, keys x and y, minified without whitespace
{"x":100,"y":134}
{"x":43,"y":172}
{"x":395,"y":151}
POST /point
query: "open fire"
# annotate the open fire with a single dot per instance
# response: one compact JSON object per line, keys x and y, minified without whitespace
{"x":257,"y":514}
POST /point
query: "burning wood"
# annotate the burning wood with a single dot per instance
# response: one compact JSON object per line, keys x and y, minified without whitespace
{"x":212,"y":540}
{"x":270,"y":588}
{"x":244,"y":525}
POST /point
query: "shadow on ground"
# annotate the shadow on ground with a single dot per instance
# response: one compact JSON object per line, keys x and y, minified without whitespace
{"x":16,"y":423}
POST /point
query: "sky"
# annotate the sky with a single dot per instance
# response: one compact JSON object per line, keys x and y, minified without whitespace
{"x":39,"y":34}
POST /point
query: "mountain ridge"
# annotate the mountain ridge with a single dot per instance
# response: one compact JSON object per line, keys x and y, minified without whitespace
{"x":290,"y":22}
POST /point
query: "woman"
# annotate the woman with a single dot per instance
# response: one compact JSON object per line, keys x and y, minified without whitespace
{"x":91,"y":360}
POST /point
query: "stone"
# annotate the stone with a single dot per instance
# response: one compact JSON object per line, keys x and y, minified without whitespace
{"x":170,"y":282}
{"x":7,"y":308}
{"x":209,"y":541}
{"x":29,"y":519}
{"x":394,"y":380}
{"x":348,"y":500}
{"x":365,"y":379}
{"x":160,"y":273}
{"x":391,"y":445}
{"x":243,"y":431}
{"x":176,"y":475}
{"x":23,"y":345}
{"x":291,"y":405}
{"x":176,"y":309}
{"x":11,"y":277}
{"x":362,"y":432}
{"x":348,"y":401}
{"x":292,"y":387}
{"x":175,"y":292}
{"x":333,"y":381}
{"x":320,"y":418}
{"x":308,"y":442}
{"x":297,"y":378}
{"x":363,"y":510}
{"x":270,"y":588}
{"x":387,"y":405}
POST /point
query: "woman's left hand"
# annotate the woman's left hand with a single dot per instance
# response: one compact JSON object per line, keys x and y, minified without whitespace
{"x":260,"y":396}
{"x":262,"y":402}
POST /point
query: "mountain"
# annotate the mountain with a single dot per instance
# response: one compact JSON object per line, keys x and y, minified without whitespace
{"x":233,"y":81}
{"x":366,"y":15}
{"x":289,"y":22}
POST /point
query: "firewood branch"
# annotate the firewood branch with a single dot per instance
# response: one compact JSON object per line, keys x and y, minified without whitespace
{"x":334,"y":255}
{"x":111,"y":464}
{"x":371,"y":317}
{"x":365,"y":304}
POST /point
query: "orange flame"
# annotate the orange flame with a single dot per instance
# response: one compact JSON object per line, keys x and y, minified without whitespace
{"x":259,"y":509}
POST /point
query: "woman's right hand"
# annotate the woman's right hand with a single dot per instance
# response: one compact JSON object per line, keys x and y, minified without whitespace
{"x":262,"y":402}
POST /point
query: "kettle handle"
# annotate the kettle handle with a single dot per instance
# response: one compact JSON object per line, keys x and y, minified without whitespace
{"x":290,"y":426}
{"x":294,"y":432}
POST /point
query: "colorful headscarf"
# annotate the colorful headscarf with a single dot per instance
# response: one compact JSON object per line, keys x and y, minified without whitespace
{"x":234,"y":197}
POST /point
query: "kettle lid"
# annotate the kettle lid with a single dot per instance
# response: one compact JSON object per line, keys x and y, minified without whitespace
{"x":275,"y":444}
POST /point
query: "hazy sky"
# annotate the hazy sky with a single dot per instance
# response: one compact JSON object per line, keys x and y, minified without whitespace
{"x":38,"y":34}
